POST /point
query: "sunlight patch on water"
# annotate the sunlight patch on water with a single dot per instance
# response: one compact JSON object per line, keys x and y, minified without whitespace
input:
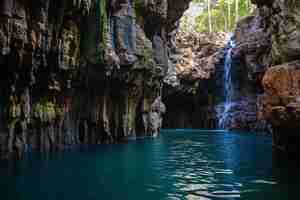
{"x":225,"y":171}
{"x":195,"y":197}
{"x":224,"y":194}
{"x":264,"y":182}
{"x":183,"y":165}
{"x":196,"y":130}
{"x":195,"y":187}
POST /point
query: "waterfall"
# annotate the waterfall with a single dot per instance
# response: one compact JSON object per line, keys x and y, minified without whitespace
{"x":228,"y":86}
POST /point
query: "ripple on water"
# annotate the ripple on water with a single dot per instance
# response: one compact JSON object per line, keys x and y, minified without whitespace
{"x":195,"y":187}
{"x":196,"y":197}
{"x":264,"y":182}
{"x":220,"y":194}
{"x":192,"y":166}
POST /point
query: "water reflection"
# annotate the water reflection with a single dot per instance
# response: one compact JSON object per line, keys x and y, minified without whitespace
{"x":178,"y":165}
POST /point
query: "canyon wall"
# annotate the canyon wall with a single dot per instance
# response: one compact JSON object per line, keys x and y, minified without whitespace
{"x":269,"y":43}
{"x":193,"y":84}
{"x":82,"y":71}
{"x":98,"y":71}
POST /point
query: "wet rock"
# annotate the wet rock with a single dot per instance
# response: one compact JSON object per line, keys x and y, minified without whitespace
{"x":6,"y":7}
{"x":175,"y":12}
{"x":123,"y":31}
{"x":190,"y":89}
{"x":267,"y":44}
{"x":160,"y":50}
{"x":242,"y":115}
{"x":281,"y":98}
{"x":80,"y":72}
{"x":199,"y":53}
{"x":280,"y":104}
{"x":253,"y":44}
{"x":69,"y":45}
{"x":158,"y":108}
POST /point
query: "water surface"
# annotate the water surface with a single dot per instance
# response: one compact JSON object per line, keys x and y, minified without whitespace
{"x":181,"y":164}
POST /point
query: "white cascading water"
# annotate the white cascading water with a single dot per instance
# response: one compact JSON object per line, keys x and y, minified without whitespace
{"x":228,"y":86}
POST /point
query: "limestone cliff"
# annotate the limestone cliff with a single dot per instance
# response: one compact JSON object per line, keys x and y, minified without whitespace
{"x":82,"y":71}
{"x":269,"y":44}
{"x":192,"y":84}
{"x":195,"y":89}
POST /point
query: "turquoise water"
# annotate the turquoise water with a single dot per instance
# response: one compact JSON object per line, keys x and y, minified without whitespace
{"x":181,"y":164}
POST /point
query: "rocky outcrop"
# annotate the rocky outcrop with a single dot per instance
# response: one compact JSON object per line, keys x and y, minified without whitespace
{"x":249,"y":60}
{"x":198,"y":54}
{"x":276,"y":21}
{"x":81,"y":72}
{"x":194,"y":89}
{"x":280,"y":104}
{"x":271,"y":51}
{"x":193,"y":58}
{"x":192,"y":82}
{"x":176,"y":11}
{"x":253,"y":44}
{"x":282,"y":94}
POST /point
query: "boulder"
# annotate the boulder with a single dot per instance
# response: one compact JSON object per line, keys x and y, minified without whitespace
{"x":282,"y":95}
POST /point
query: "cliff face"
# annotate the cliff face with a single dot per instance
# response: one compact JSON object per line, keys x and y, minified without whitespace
{"x":269,"y":44}
{"x":248,"y":57}
{"x":194,"y":79}
{"x":195,"y":89}
{"x":84,"y":72}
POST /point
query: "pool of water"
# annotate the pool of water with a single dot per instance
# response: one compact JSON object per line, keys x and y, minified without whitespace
{"x":180,"y":164}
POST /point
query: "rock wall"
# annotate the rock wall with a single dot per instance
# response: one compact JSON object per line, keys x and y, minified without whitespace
{"x":248,"y":58}
{"x":194,"y":89}
{"x":269,"y":44}
{"x":193,"y":83}
{"x":81,"y":72}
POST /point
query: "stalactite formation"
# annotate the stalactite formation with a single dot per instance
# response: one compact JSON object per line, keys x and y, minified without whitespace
{"x":98,"y":71}
{"x":79,"y":72}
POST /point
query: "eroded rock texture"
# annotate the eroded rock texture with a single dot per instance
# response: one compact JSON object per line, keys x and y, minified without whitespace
{"x":249,"y":59}
{"x":81,"y":72}
{"x":269,"y":44}
{"x":193,"y":83}
{"x":281,"y":103}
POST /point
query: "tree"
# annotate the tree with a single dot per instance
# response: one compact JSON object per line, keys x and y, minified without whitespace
{"x":237,"y":11}
{"x":228,"y":14}
{"x":221,"y":15}
{"x":209,"y":16}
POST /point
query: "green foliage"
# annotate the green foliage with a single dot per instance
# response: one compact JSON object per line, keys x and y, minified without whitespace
{"x":46,"y":111}
{"x":103,"y":27}
{"x":223,"y":17}
{"x":184,"y":23}
{"x":138,"y":6}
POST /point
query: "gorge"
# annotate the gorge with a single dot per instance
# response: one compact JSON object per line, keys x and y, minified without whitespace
{"x":54,"y":53}
{"x":87,"y":79}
